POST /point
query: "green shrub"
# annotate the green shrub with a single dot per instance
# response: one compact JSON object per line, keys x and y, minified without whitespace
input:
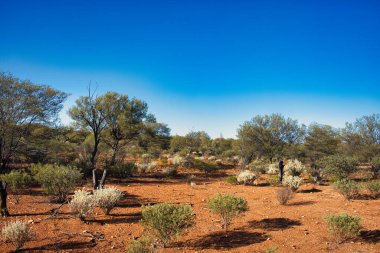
{"x":141,"y":245}
{"x":348,"y":188}
{"x":375,"y":167}
{"x":232,"y":180}
{"x":121,"y":170}
{"x":258,"y":166}
{"x":166,"y":221}
{"x":373,"y":187}
{"x":17,"y":182}
{"x":228,"y":207}
{"x":56,"y":180}
{"x":271,"y":250}
{"x":273,"y":180}
{"x":205,"y":166}
{"x":343,"y":226}
{"x":170,"y":172}
{"x":337,"y":166}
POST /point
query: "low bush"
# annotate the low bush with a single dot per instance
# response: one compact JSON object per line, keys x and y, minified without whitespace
{"x":18,"y":233}
{"x":107,"y":198}
{"x":293,"y":182}
{"x":17,"y":182}
{"x":170,"y":172}
{"x":82,"y":203}
{"x":166,"y":221}
{"x":121,"y":170}
{"x":272,"y":169}
{"x":337,"y":166}
{"x":348,"y":188}
{"x":274,"y":180}
{"x":258,"y":166}
{"x":140,"y":245}
{"x":343,"y":226}
{"x":293,"y":168}
{"x":246,"y":177}
{"x":57,"y":180}
{"x":284,"y":194}
{"x":373,"y":187}
{"x":228,"y":207}
{"x":232,"y":180}
{"x":206,"y":167}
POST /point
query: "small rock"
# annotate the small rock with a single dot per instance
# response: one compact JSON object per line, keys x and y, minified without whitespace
{"x":30,"y":221}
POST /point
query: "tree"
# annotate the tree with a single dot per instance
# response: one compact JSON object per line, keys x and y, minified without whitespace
{"x":23,"y":104}
{"x":362,"y":138}
{"x":89,"y":112}
{"x":268,"y":136}
{"x":321,"y":140}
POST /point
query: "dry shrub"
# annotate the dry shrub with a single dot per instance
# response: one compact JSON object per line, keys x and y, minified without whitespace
{"x":82,"y":203}
{"x":18,"y":233}
{"x":284,"y":194}
{"x":107,"y":198}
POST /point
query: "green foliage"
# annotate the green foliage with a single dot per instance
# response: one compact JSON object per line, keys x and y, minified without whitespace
{"x":56,"y":180}
{"x":170,"y":172}
{"x":343,"y":226}
{"x":232,"y":180}
{"x":17,"y":182}
{"x":142,"y":245}
{"x":337,"y":166}
{"x":121,"y":170}
{"x":373,"y":187}
{"x":271,"y":250}
{"x":274,"y":180}
{"x":166,"y":221}
{"x":258,"y":166}
{"x":348,"y":188}
{"x":206,"y":167}
{"x":228,"y":207}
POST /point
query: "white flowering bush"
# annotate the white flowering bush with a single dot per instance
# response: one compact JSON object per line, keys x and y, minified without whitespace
{"x":294,"y":182}
{"x":82,"y":203}
{"x":294,"y":168}
{"x":18,"y":233}
{"x":246,"y":177}
{"x":107,"y":198}
{"x":272,"y":169}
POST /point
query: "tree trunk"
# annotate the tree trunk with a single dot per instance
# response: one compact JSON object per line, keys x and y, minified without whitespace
{"x":95,"y":179}
{"x":3,"y":199}
{"x":94,"y":152}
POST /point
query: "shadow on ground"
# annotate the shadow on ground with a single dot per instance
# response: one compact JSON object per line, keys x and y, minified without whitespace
{"x":371,"y":236}
{"x":228,"y":240}
{"x":301,"y":203}
{"x":62,"y":246}
{"x":274,"y":224}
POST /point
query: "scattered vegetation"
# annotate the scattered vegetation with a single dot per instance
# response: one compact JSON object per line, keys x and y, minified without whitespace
{"x":373,"y":187}
{"x":170,"y":172}
{"x":246,"y":177}
{"x":348,"y":188}
{"x":121,"y":170}
{"x":166,"y":221}
{"x":17,"y":181}
{"x":293,"y":182}
{"x":232,"y":180}
{"x":293,"y":168}
{"x":82,"y":203}
{"x":141,"y":245}
{"x":57,"y":180}
{"x":18,"y":233}
{"x":343,"y":226}
{"x":228,"y":207}
{"x":338,"y":166}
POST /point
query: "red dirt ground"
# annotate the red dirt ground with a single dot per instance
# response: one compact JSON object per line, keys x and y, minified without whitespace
{"x":296,"y":227}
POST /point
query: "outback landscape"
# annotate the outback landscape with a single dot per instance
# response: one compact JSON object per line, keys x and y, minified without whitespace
{"x":190,"y":126}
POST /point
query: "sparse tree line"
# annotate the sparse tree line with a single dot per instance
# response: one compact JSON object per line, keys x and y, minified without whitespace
{"x":111,"y":130}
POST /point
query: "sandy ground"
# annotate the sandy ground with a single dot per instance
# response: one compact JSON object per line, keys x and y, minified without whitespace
{"x":296,"y":227}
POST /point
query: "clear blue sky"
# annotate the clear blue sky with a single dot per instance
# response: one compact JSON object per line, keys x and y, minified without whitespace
{"x":204,"y":65}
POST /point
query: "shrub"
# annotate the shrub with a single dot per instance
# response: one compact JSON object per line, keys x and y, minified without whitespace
{"x":348,"y":188}
{"x":176,"y":160}
{"x":337,"y":166}
{"x":274,"y":180}
{"x":17,"y":182}
{"x":107,"y":198}
{"x":258,"y":166}
{"x":293,"y":168}
{"x":141,"y":245}
{"x":246,"y":177}
{"x":232,"y":180}
{"x":17,"y":232}
{"x":284,"y":194}
{"x":121,"y":170}
{"x":146,"y":158}
{"x":272,"y":169}
{"x":228,"y":207}
{"x":205,"y":166}
{"x":170,"y":172}
{"x":343,"y":226}
{"x":375,"y":167}
{"x":82,"y":203}
{"x":294,"y":182}
{"x":57,"y":180}
{"x":166,"y":221}
{"x":373,"y":187}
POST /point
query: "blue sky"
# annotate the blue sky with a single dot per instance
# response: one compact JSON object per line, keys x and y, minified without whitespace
{"x":204,"y":65}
